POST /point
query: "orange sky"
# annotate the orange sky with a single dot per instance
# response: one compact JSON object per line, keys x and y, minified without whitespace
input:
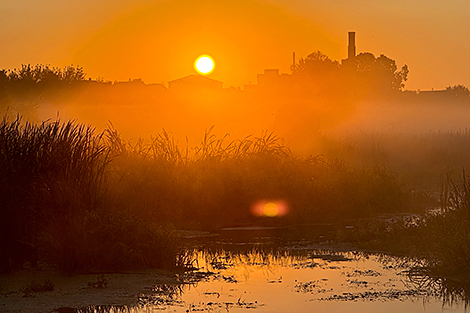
{"x":158,"y":41}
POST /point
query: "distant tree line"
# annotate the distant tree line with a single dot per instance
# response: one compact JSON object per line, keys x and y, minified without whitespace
{"x":22,"y":89}
{"x":315,"y":77}
{"x":44,"y":75}
{"x":361,"y":77}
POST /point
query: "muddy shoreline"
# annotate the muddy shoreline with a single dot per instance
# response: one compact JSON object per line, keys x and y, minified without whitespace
{"x":78,"y":290}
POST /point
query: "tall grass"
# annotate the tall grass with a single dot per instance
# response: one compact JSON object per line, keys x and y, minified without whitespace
{"x":83,"y":200}
{"x":52,"y":182}
{"x":439,"y":238}
{"x":47,"y":172}
{"x":445,"y":236}
{"x":217,"y":182}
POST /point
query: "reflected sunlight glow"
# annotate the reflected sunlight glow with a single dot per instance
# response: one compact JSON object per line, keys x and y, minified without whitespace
{"x":271,"y":208}
{"x":204,"y":64}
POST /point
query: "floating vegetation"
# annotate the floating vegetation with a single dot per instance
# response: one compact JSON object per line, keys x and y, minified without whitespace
{"x":316,"y":286}
{"x":368,"y":272}
{"x":279,"y":284}
{"x":35,"y":286}
{"x":387,"y":295}
{"x":101,"y":282}
{"x":209,"y":306}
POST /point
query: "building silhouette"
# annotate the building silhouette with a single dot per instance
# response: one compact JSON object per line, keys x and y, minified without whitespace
{"x":194,"y":83}
{"x":271,"y":78}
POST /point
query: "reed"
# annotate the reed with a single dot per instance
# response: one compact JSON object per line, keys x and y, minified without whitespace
{"x":83,"y":200}
{"x":445,"y":235}
{"x":52,"y":186}
{"x":439,"y":238}
{"x":46,"y":171}
{"x":217,"y":182}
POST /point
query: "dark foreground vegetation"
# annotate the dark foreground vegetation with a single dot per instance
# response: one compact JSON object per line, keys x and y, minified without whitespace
{"x":439,"y":239}
{"x":83,"y":201}
{"x":52,"y":185}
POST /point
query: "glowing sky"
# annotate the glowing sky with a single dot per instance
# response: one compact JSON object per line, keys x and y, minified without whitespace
{"x":158,"y":41}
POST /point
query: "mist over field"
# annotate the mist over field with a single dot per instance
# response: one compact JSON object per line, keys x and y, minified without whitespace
{"x":181,"y":155}
{"x":403,"y":128}
{"x":240,"y":114}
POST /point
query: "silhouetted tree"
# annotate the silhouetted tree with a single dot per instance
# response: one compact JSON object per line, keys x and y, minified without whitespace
{"x":72,"y":74}
{"x":367,"y":75}
{"x":381,"y":73}
{"x":316,"y":63}
{"x":48,"y":76}
{"x":365,"y":62}
{"x":388,"y":67}
{"x":318,"y":75}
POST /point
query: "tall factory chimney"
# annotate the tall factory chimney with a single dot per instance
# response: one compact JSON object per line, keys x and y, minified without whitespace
{"x":293,"y":62}
{"x":352,"y":45}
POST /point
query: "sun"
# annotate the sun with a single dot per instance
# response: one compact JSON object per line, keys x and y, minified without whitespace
{"x":204,"y":64}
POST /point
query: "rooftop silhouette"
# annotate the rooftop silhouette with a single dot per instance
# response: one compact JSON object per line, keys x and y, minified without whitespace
{"x":194,"y":82}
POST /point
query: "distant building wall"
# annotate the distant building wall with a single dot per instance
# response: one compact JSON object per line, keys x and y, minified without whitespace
{"x":272,"y":78}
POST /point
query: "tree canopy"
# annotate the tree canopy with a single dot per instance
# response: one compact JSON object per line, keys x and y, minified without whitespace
{"x":365,"y":71}
{"x":316,"y":63}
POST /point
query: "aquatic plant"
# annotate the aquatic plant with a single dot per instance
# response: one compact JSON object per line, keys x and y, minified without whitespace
{"x":218,"y":181}
{"x":52,"y":186}
{"x":423,"y":159}
{"x":438,"y":239}
{"x":83,"y":200}
{"x":47,"y":171}
{"x":445,"y":235}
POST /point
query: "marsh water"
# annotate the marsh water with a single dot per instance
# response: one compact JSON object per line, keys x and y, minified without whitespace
{"x":294,"y":278}
{"x":254,"y":274}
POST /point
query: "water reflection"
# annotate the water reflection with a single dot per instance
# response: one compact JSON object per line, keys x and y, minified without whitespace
{"x":298,"y":280}
{"x":163,"y":295}
{"x":101,"y":309}
{"x":451,"y":291}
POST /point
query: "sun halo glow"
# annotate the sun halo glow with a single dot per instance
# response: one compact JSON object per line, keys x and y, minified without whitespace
{"x":204,"y":64}
{"x":271,"y":208}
